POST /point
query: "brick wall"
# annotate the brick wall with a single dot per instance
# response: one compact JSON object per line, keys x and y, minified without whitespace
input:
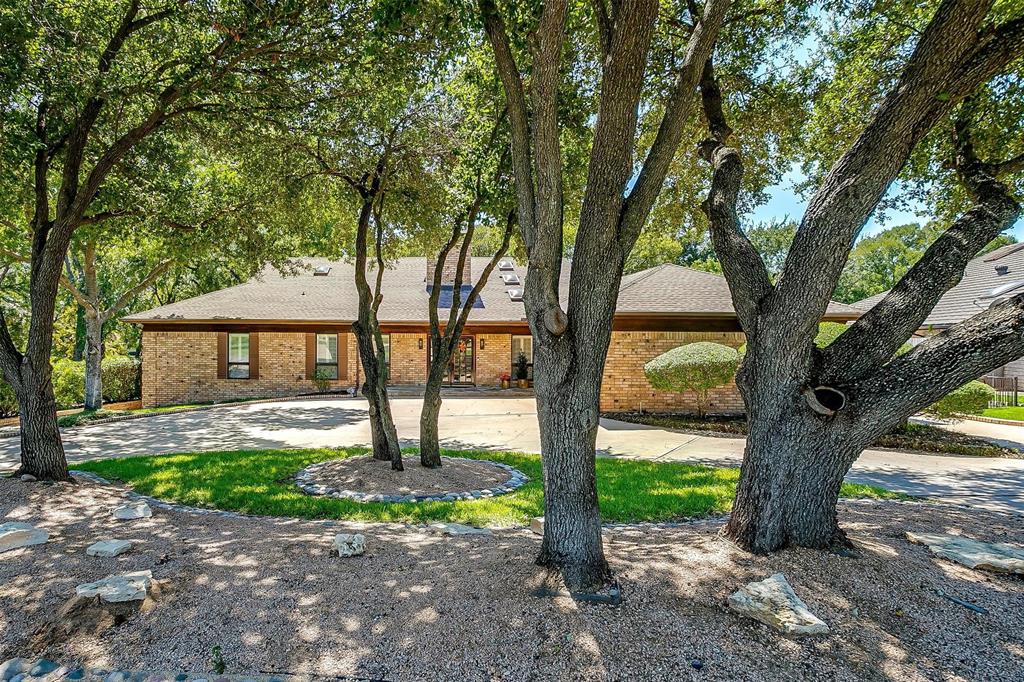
{"x":626,"y":389}
{"x":181,"y":367}
{"x":449,"y":268}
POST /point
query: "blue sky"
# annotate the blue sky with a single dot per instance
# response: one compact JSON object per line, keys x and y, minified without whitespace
{"x":785,"y":201}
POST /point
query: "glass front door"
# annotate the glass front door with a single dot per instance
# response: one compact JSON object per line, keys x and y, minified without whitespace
{"x":460,"y":369}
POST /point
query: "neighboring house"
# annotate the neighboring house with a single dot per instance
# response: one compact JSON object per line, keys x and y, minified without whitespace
{"x":270,"y":336}
{"x":986,"y":279}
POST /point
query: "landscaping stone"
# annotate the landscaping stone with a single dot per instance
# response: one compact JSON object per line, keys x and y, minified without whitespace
{"x":14,"y":535}
{"x":43,"y":667}
{"x":537,"y":525}
{"x":458,"y":529}
{"x":997,"y":557}
{"x":28,"y":478}
{"x":346,"y":544}
{"x":108,"y":548}
{"x":118,"y":588}
{"x":12,"y":667}
{"x":773,"y":602}
{"x":133,"y":510}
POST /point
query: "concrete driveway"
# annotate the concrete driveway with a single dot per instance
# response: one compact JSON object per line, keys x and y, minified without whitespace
{"x":508,"y":424}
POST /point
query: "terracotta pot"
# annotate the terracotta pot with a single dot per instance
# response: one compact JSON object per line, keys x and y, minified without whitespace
{"x":523,"y":383}
{"x":504,"y":383}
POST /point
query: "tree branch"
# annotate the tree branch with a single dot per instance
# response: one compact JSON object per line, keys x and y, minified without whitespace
{"x":874,"y":338}
{"x":127,"y":297}
{"x":745,"y":271}
{"x":648,"y":185}
{"x":515,"y":98}
{"x":857,"y":181}
{"x":942,"y":363}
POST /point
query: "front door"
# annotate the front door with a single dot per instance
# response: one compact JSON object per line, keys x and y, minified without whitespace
{"x":460,"y":369}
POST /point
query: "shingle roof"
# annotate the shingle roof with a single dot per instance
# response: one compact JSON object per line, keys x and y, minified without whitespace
{"x":980,"y":278}
{"x":273,"y":296}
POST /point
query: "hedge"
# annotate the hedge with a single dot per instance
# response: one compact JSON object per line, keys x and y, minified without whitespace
{"x":971,"y":398}
{"x":121,"y":375}
{"x":696,"y":367}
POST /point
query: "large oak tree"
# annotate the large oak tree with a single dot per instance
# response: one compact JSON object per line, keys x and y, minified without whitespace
{"x":812,"y":411}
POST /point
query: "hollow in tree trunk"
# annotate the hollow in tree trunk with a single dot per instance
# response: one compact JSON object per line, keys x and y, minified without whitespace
{"x":93,"y":362}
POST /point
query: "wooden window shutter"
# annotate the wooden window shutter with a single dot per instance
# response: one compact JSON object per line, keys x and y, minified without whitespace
{"x":343,"y":356}
{"x":310,"y":356}
{"x":222,"y":355}
{"x":254,"y":355}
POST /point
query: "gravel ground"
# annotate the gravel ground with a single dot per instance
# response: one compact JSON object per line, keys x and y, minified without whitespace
{"x":365,"y":474}
{"x":420,"y":606}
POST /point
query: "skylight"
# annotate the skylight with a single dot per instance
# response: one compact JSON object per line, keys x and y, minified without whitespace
{"x":510,"y":279}
{"x":515,"y":294}
{"x":322,"y":271}
{"x":506,"y":264}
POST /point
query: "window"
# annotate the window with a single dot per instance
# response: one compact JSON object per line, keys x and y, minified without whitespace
{"x":522,"y":345}
{"x":510,"y":279}
{"x":505,"y":264}
{"x":515,"y":294}
{"x":327,"y":356}
{"x":238,"y":356}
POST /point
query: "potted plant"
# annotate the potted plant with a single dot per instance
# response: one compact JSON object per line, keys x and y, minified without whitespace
{"x":522,"y":371}
{"x":506,"y":380}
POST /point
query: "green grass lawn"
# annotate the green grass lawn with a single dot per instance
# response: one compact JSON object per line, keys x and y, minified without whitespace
{"x":259,"y":482}
{"x":1014,"y":413}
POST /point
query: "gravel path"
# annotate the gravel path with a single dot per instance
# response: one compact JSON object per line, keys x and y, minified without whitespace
{"x":421,"y":606}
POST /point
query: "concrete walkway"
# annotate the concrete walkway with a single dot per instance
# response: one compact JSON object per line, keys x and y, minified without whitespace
{"x":509,"y":424}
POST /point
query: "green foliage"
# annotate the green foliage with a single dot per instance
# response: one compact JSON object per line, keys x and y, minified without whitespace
{"x":122,"y":376}
{"x":8,"y":400}
{"x":828,"y":332}
{"x":522,"y":367}
{"x":322,"y":380}
{"x":259,"y":482}
{"x":971,"y":398}
{"x":696,"y":367}
{"x":68,"y":383}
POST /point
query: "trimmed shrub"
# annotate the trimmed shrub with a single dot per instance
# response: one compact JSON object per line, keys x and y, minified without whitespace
{"x":696,"y":367}
{"x":68,"y":383}
{"x":971,"y":398}
{"x":121,"y":374}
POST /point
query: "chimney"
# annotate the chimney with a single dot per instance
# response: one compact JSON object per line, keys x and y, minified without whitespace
{"x":451,"y":264}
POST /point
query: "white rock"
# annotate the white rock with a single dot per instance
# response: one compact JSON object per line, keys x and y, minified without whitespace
{"x":537,"y":525}
{"x":14,"y":535}
{"x":998,"y":557}
{"x":108,"y":548}
{"x":133,"y":510}
{"x":458,"y":529}
{"x":773,"y":602}
{"x":118,"y":588}
{"x":28,"y":478}
{"x":346,"y":544}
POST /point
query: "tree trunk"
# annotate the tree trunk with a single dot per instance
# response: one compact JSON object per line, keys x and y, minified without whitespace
{"x":572,"y":519}
{"x":568,"y":399}
{"x":93,"y":362}
{"x":383,"y":433}
{"x":430,"y":448}
{"x":42,"y":452}
{"x":793,"y":465}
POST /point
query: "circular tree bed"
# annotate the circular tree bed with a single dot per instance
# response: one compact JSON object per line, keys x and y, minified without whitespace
{"x":364,"y":479}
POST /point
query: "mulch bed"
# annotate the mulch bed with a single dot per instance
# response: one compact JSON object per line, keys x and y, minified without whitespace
{"x":364,"y":474}
{"x":272,"y":598}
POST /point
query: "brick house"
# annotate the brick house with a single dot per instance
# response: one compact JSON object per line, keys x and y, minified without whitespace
{"x":270,"y":336}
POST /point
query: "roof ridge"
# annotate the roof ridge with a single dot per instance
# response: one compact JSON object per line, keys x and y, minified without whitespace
{"x":642,"y":275}
{"x":1002,"y":252}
